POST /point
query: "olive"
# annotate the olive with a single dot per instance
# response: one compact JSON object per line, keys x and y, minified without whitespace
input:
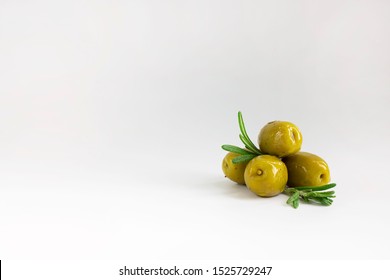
{"x":233,"y":171}
{"x":306,"y":169}
{"x":280,"y":138}
{"x":266,"y":175}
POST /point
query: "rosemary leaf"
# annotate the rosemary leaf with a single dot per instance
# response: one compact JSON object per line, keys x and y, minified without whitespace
{"x":245,"y":134}
{"x":293,"y":197}
{"x":243,"y":158}
{"x":313,"y":188}
{"x":235,"y":149}
{"x":247,"y":144}
{"x":319,"y":194}
{"x":322,"y":200}
{"x":325,"y":194}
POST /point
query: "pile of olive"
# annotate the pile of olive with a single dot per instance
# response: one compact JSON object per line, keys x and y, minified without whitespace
{"x":276,"y":163}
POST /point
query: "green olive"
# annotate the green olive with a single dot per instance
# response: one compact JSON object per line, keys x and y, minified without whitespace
{"x":233,"y":171}
{"x":306,"y":169}
{"x":266,"y":175}
{"x":280,"y":139}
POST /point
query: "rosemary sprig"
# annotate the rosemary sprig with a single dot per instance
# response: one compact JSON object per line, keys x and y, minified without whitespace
{"x":310,"y":194}
{"x":250,"y":150}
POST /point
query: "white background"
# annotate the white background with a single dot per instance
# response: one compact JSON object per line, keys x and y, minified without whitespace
{"x":112,"y":114}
